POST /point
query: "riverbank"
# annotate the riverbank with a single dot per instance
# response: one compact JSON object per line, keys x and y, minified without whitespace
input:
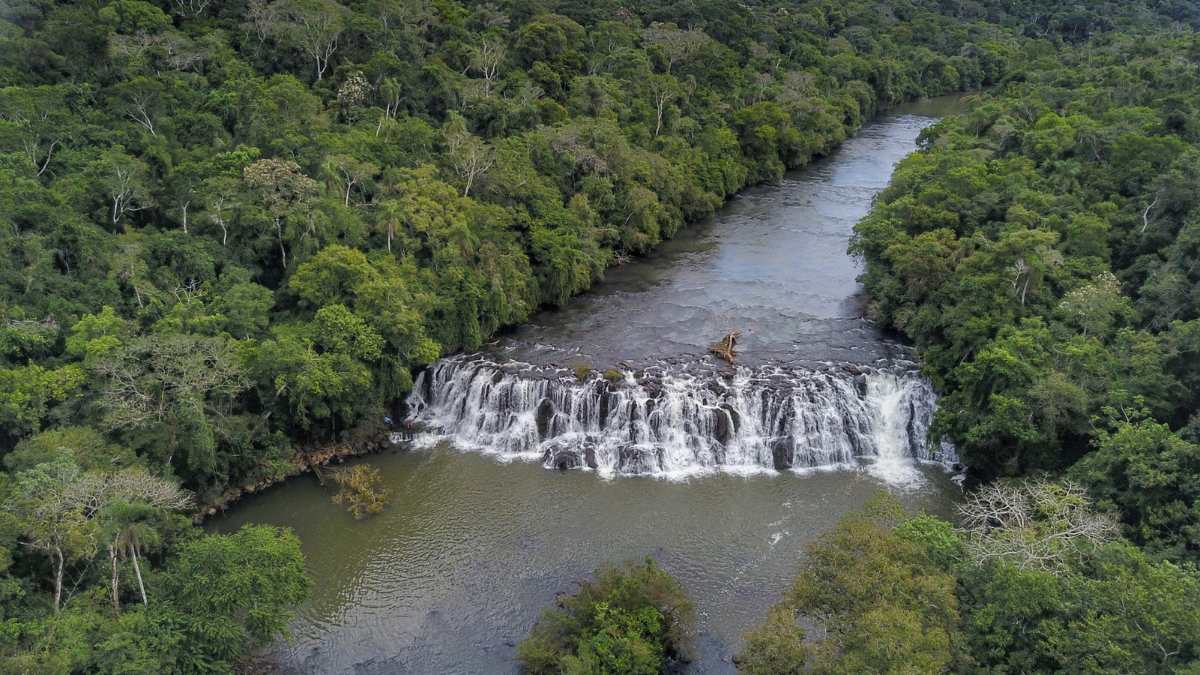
{"x":471,"y":547}
{"x":458,"y":566}
{"x":302,"y":462}
{"x":586,"y":315}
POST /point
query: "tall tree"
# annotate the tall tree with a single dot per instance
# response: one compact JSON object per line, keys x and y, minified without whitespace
{"x":285,"y":193}
{"x":312,"y":26}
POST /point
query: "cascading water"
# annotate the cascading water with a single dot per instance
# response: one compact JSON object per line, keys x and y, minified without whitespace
{"x":816,"y":385}
{"x":453,"y":573}
{"x":677,"y":419}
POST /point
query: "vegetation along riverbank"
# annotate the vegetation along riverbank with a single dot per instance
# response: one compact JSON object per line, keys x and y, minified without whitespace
{"x":234,"y":229}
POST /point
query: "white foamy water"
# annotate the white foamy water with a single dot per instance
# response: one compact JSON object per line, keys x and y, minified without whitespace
{"x":680,"y":420}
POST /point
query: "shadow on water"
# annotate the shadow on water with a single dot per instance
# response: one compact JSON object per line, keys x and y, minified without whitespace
{"x":470,"y":550}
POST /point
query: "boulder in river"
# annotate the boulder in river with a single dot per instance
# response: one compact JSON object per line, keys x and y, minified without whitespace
{"x":561,"y":458}
{"x":783,"y":452}
{"x":545,"y":417}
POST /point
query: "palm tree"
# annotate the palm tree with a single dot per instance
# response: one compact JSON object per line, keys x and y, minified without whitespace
{"x":391,"y":215}
{"x":130,"y":533}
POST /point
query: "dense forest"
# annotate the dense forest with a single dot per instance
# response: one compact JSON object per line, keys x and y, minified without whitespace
{"x":1042,"y":252}
{"x":232,"y":230}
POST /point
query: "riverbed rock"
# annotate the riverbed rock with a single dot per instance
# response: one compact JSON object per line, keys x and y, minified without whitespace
{"x":860,"y":383}
{"x":561,"y":458}
{"x":634,"y":460}
{"x":783,"y":453}
{"x":545,"y":416}
{"x":427,"y":385}
{"x":735,"y":418}
{"x":722,"y":426}
{"x":826,"y":413}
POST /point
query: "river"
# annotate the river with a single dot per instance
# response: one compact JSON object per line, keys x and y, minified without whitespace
{"x":721,"y":474}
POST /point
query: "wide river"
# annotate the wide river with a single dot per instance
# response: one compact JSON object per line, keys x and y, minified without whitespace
{"x":740,"y":469}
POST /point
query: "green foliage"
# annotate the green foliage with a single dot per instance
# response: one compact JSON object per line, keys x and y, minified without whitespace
{"x":84,"y":446}
{"x":28,"y":392}
{"x":221,"y":596}
{"x":777,"y":646}
{"x":1114,"y":612}
{"x":1032,"y":251}
{"x":361,"y":490}
{"x":1148,"y":474}
{"x":619,"y":641}
{"x":630,"y":619}
{"x":233,"y":228}
{"x":883,"y":604}
{"x":912,"y":595}
{"x":233,"y":592}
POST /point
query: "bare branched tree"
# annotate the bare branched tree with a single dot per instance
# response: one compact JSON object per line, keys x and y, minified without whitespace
{"x":192,"y":8}
{"x":469,"y":154}
{"x":675,"y":44}
{"x":42,"y":119}
{"x":311,"y":26}
{"x":124,"y":179}
{"x":283,"y":189}
{"x":62,"y":505}
{"x":663,"y":90}
{"x":151,"y":380}
{"x":486,"y":58}
{"x":1035,"y":524}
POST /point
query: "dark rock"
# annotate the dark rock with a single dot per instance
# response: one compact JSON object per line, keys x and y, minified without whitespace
{"x":722,"y":425}
{"x":545,"y":415}
{"x":589,"y":457}
{"x":860,"y":383}
{"x":911,"y":430}
{"x":633,"y":460}
{"x":719,"y":454}
{"x":783,"y":452}
{"x":635,"y":414}
{"x":561,"y":458}
{"x":734,"y":417}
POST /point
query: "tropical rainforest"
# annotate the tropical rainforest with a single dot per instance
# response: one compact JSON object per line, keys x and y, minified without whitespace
{"x":233,"y":230}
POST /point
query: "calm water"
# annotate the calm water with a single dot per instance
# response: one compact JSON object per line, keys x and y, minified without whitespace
{"x":772,"y":264}
{"x":470,"y":550}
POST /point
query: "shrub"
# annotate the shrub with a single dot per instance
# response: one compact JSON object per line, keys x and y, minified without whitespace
{"x":631,"y":619}
{"x":362,"y":491}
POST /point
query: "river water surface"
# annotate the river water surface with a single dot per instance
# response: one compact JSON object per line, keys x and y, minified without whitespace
{"x":738,"y":468}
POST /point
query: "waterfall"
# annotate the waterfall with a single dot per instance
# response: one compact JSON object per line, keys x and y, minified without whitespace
{"x":678,"y":419}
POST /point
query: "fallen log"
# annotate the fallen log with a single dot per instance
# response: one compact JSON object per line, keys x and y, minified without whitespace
{"x":725,"y":348}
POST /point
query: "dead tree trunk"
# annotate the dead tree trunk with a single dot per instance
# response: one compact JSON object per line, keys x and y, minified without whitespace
{"x":725,"y":348}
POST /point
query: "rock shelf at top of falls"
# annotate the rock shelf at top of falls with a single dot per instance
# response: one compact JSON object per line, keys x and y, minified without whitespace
{"x":815,"y":383}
